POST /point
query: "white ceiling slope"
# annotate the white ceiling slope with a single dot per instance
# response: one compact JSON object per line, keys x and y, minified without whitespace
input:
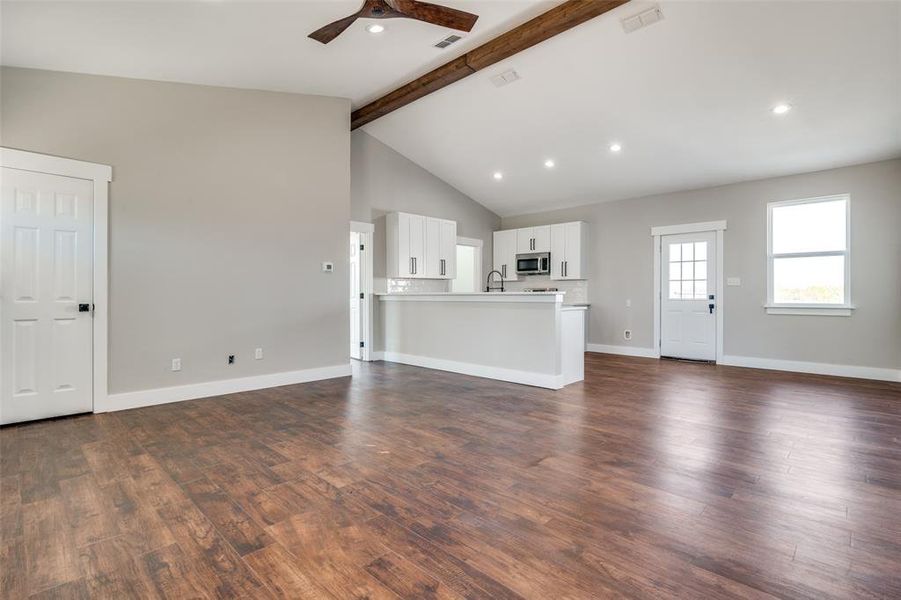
{"x":257,"y":44}
{"x":688,"y":98}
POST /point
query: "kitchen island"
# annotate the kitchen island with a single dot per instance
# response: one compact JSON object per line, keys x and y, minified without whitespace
{"x":531,"y":338}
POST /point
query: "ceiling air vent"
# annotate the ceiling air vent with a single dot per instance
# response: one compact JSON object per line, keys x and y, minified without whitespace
{"x":448,"y":41}
{"x":642,"y":19}
{"x":502,"y":79}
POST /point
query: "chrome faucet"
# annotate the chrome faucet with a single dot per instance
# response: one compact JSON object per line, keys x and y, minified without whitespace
{"x":488,"y":286}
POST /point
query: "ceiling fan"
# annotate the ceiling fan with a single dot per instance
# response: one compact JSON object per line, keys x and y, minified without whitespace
{"x":392,"y":9}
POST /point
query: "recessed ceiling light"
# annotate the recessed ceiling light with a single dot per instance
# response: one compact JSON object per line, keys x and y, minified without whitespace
{"x":375,"y":28}
{"x":549,"y":163}
{"x":498,"y":175}
{"x":781,"y":109}
{"x":614,"y":147}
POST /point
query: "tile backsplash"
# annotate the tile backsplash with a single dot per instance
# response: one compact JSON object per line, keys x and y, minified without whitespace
{"x":576,"y":291}
{"x":397,"y":286}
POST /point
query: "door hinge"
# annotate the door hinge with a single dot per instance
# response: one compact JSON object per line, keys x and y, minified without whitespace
{"x":361,"y":295}
{"x":362,"y":247}
{"x":362,"y":344}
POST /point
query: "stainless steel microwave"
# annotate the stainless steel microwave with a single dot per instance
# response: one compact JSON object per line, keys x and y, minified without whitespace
{"x":535,"y":263}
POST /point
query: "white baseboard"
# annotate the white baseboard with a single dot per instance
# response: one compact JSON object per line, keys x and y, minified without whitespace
{"x":193,"y":391}
{"x":378,"y":355}
{"x":798,"y":366}
{"x":623,"y":350}
{"x":554,"y":382}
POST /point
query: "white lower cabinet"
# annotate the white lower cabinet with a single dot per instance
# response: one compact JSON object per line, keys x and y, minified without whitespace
{"x":420,"y":247}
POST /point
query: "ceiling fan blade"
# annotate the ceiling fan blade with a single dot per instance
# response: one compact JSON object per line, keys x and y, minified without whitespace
{"x":332,"y":30}
{"x":437,"y":15}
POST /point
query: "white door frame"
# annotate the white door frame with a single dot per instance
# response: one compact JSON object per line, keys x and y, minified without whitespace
{"x":717,"y":227}
{"x":475,"y":243}
{"x":101,"y":175}
{"x":365,"y":230}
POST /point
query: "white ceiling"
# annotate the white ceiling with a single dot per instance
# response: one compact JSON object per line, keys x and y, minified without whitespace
{"x":687,"y":97}
{"x":257,"y":44}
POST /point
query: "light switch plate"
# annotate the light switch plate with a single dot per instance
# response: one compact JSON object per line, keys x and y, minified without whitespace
{"x":733,"y":281}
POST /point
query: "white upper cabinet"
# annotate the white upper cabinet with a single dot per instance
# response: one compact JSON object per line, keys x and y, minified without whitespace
{"x":421,"y":247}
{"x":505,"y":246}
{"x":533,"y":239}
{"x":569,"y":250}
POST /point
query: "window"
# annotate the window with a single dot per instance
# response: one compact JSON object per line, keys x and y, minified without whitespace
{"x":688,"y":271}
{"x":808,"y":256}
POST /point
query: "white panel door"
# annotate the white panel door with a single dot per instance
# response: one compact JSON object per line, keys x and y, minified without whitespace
{"x":46,"y":228}
{"x":687,"y":288}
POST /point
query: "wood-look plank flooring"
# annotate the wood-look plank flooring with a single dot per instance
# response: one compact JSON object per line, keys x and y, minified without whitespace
{"x":651,"y":479}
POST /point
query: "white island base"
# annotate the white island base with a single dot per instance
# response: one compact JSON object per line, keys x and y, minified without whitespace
{"x":522,"y":337}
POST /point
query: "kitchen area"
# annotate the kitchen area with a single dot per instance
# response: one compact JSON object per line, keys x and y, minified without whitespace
{"x":524,"y":324}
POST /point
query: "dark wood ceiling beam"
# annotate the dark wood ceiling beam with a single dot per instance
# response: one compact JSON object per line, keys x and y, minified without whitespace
{"x":545,"y":26}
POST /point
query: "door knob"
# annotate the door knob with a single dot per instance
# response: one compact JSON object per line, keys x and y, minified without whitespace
{"x":84,"y":307}
{"x":710,"y":306}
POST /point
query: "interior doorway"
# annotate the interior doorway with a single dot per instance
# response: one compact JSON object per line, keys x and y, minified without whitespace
{"x":469,"y":266}
{"x":360,"y":290}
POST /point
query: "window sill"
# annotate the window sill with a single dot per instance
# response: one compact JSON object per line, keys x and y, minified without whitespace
{"x":811,"y":310}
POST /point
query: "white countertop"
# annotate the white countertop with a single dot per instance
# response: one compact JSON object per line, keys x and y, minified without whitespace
{"x":548,"y":297}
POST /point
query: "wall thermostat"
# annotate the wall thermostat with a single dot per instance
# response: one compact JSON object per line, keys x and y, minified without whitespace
{"x":328,"y":267}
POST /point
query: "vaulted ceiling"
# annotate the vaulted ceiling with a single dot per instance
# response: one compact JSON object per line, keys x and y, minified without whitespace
{"x":689,"y":98}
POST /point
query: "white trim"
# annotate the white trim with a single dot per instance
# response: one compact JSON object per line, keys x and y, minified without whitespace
{"x":54,"y":165}
{"x":361,"y":227}
{"x":465,"y":241}
{"x":623,"y":350}
{"x":828,"y":310}
{"x":719,"y":228}
{"x":101,"y":175}
{"x":206,"y":389}
{"x":378,"y":355}
{"x":544,"y":380}
{"x":797,"y":366}
{"x":688,"y":228}
{"x":834,"y":310}
{"x":537,"y":297}
{"x":366,"y":286}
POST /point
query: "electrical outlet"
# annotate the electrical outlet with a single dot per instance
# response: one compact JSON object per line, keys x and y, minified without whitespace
{"x":627,"y":334}
{"x":231,"y":359}
{"x":176,"y":364}
{"x":258,"y":353}
{"x":328,"y":267}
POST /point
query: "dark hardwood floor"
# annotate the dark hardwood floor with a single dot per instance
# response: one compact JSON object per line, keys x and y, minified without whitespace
{"x":652,"y":479}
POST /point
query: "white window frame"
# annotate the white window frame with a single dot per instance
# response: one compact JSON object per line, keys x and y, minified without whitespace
{"x":796,"y":308}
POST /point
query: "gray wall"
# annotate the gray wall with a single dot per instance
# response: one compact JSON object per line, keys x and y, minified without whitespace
{"x":383,"y":181}
{"x":222,"y":206}
{"x":621,"y":265}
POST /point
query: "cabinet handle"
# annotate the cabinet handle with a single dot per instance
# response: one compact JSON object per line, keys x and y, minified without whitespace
{"x":562,"y":269}
{"x":443,"y":271}
{"x":411,"y":265}
{"x":566,"y":268}
{"x":503,"y":270}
